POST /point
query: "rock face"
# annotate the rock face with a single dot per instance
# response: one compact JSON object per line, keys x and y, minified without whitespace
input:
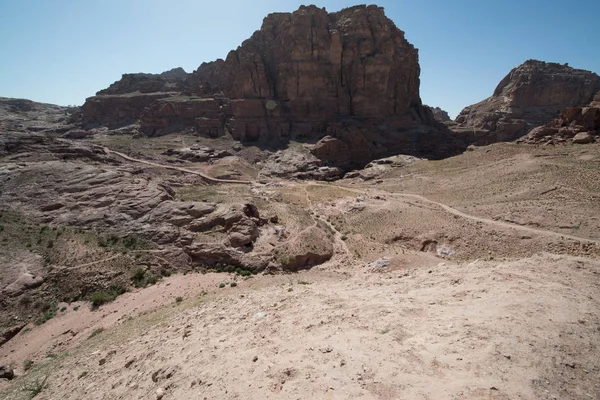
{"x":530,"y":95}
{"x":580,"y":125}
{"x":440,"y":114}
{"x":304,"y":75}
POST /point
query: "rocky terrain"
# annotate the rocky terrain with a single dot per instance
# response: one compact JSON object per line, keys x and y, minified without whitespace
{"x":580,"y":125}
{"x":531,"y":95}
{"x":292,"y":222}
{"x":440,"y":114}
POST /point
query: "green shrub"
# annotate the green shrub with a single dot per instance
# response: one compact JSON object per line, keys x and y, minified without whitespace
{"x":233,"y":284}
{"x":106,"y":296}
{"x":96,"y":332}
{"x":141,"y":279}
{"x":178,"y":299}
{"x":27,"y":364}
{"x":222,"y":285}
{"x":35,"y":387}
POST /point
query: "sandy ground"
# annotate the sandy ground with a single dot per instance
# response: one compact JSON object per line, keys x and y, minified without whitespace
{"x":523,"y":329}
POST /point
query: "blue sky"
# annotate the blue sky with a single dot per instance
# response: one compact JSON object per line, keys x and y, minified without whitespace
{"x":62,"y":51}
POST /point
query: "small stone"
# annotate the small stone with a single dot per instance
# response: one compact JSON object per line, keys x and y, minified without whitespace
{"x":160,"y":393}
{"x":255,"y":359}
{"x":102,"y":361}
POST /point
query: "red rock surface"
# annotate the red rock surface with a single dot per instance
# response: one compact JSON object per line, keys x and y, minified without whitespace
{"x":304,"y":75}
{"x":531,"y":95}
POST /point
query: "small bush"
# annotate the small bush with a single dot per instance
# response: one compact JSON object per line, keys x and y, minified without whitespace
{"x":27,"y":364}
{"x":222,"y":285}
{"x":25,"y":301}
{"x":75,"y":308}
{"x":106,"y":296}
{"x":165,"y":272}
{"x":63,"y":309}
{"x":233,"y":284}
{"x":96,"y":332}
{"x":178,"y":299}
{"x":141,"y":279}
{"x":35,"y":387}
{"x":243,"y":272}
{"x":48,"y":315}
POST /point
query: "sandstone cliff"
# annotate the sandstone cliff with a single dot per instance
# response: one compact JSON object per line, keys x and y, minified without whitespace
{"x":530,"y":95}
{"x":304,"y":75}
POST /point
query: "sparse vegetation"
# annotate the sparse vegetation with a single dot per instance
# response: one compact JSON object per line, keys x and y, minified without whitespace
{"x":36,"y":386}
{"x":96,"y":332}
{"x":106,"y":296}
{"x":47,"y":316}
{"x":178,"y":299}
{"x":222,"y":285}
{"x":233,"y":284}
{"x":141,"y":278}
{"x":27,"y":364}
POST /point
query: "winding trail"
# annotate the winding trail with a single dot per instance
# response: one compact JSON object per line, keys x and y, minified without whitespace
{"x":206,"y":178}
{"x":445,"y":207}
{"x":454,"y":211}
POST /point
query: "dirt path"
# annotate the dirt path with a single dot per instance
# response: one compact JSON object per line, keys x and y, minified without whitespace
{"x":207,"y":179}
{"x":500,"y":224}
{"x":103,"y":260}
{"x":454,"y":211}
{"x":339,"y":245}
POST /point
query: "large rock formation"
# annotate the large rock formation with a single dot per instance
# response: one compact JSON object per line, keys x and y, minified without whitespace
{"x":576,"y":124}
{"x":304,"y":75}
{"x":530,"y":95}
{"x":439,"y":114}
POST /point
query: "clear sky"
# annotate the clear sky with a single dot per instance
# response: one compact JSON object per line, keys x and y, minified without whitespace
{"x":62,"y":51}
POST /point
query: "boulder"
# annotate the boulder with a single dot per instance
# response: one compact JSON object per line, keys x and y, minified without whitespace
{"x":6,"y":372}
{"x":25,"y":282}
{"x":583,"y":138}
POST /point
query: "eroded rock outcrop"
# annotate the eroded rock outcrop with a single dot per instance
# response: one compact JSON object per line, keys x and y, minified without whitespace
{"x":531,"y":95}
{"x":351,"y":75}
{"x":580,"y":125}
{"x":440,"y":114}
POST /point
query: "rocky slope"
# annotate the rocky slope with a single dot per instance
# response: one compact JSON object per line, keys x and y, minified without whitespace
{"x":304,"y":75}
{"x":531,"y":95}
{"x":439,"y":114}
{"x":580,"y":125}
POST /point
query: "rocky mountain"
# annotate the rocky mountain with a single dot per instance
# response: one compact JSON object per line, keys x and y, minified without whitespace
{"x":530,"y":95}
{"x":349,"y":75}
{"x":439,"y":114}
